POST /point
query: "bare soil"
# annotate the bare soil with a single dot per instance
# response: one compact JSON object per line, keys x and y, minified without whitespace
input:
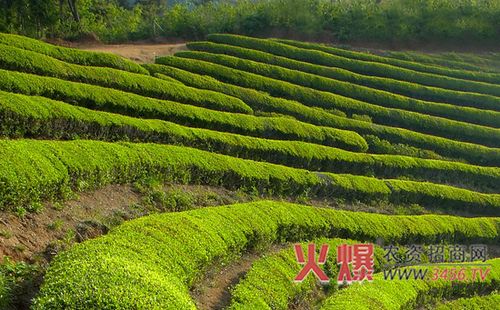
{"x":213,"y":292}
{"x":26,"y":239}
{"x":142,"y":53}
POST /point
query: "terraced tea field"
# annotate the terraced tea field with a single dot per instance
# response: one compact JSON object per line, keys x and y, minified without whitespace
{"x":313,"y":143}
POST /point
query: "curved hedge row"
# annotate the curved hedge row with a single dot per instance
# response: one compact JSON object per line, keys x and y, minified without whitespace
{"x":267,"y":65}
{"x":34,"y":170}
{"x":151,"y":262}
{"x":486,"y":302}
{"x":446,"y":147}
{"x":13,"y":58}
{"x":480,"y":76}
{"x":408,"y":294}
{"x":387,"y":113}
{"x":268,"y":284}
{"x":72,"y":55}
{"x":271,"y":66}
{"x":293,"y":56}
{"x":308,"y":89}
{"x":24,"y":116}
{"x":4,"y":292}
{"x":116,"y":101}
{"x":445,"y":62}
{"x":311,"y":54}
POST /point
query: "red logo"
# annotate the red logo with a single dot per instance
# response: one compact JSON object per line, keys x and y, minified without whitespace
{"x":311,"y":264}
{"x":360,"y":256}
{"x":357,"y":256}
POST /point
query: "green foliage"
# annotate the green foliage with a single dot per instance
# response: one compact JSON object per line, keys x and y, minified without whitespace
{"x":322,"y":55}
{"x":322,"y":92}
{"x":26,"y":116}
{"x":434,"y":59}
{"x":23,"y":60}
{"x":445,"y":147}
{"x":152,"y":262}
{"x":492,"y":78}
{"x":466,"y":22}
{"x":72,"y":55}
{"x":268,"y":284}
{"x":391,"y":294}
{"x":111,"y":100}
{"x":40,"y":170}
{"x":378,"y":146}
{"x":4,"y":291}
{"x":307,"y":60}
{"x":309,"y":77}
{"x":13,"y":276}
{"x":478,"y":303}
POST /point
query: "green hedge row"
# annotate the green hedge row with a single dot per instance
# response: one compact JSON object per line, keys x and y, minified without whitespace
{"x":445,"y":62}
{"x":292,"y":72}
{"x":264,"y":103}
{"x":151,"y":262}
{"x":493,"y":58}
{"x":312,"y":54}
{"x":95,"y":97}
{"x":166,"y":78}
{"x":13,"y":58}
{"x":487,"y":302}
{"x":480,"y":76}
{"x":34,"y":170}
{"x":4,"y":291}
{"x":268,"y":284}
{"x":72,"y":55}
{"x":293,"y":57}
{"x":38,"y":117}
{"x":446,"y":147}
{"x":308,"y":89}
{"x":409,"y":294}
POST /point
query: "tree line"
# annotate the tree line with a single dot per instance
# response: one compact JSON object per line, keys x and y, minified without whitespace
{"x":402,"y":21}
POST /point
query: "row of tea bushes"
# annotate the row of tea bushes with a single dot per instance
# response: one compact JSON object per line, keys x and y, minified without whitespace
{"x":72,"y":55}
{"x":35,"y":170}
{"x":481,"y":76}
{"x":266,"y":64}
{"x":38,"y":117}
{"x":111,"y":100}
{"x":294,"y":58}
{"x":473,"y":153}
{"x":405,"y":294}
{"x":152,"y":262}
{"x":12,"y":58}
{"x":371,"y":68}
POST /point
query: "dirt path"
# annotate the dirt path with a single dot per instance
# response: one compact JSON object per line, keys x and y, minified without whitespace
{"x":25,"y":238}
{"x":214,"y":291}
{"x":142,"y":53}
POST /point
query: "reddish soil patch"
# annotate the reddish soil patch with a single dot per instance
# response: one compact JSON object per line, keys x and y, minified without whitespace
{"x":213,"y":291}
{"x":142,"y":53}
{"x":26,"y":238}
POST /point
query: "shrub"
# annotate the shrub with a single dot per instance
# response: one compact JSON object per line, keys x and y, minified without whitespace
{"x":34,"y":170}
{"x":389,"y":294}
{"x":13,"y":58}
{"x":302,"y":59}
{"x":24,"y":116}
{"x":152,"y":261}
{"x":309,"y":92}
{"x":111,"y":100}
{"x":72,"y":55}
{"x":292,"y":71}
{"x":445,"y":147}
